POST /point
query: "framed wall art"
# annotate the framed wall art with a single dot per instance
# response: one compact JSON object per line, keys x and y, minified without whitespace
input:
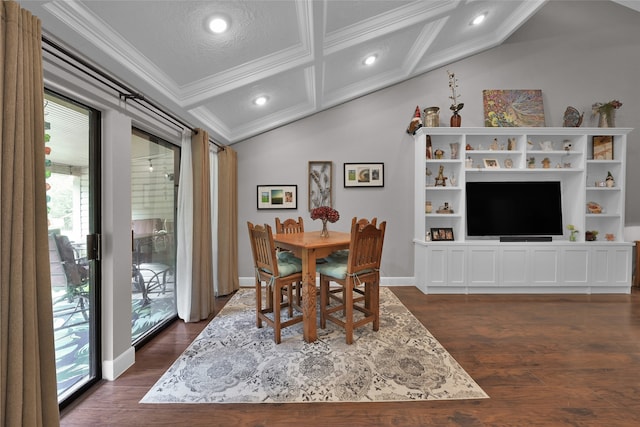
{"x":277,"y":196}
{"x":320,"y":184}
{"x":603,"y":148}
{"x":513,"y":108}
{"x":363,"y":175}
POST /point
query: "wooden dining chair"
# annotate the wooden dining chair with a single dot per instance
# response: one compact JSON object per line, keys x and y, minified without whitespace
{"x":338,"y":294}
{"x":290,"y":226}
{"x":279,"y":272}
{"x":360,"y":269}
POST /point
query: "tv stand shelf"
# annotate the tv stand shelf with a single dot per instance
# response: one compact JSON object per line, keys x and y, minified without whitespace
{"x":486,"y":265}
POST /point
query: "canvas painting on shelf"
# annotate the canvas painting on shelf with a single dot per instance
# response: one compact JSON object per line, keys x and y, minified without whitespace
{"x":513,"y":108}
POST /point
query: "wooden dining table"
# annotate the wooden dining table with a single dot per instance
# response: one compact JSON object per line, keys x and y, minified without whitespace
{"x":310,"y":246}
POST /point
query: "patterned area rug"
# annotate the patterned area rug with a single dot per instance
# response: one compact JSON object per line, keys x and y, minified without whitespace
{"x":232,"y":361}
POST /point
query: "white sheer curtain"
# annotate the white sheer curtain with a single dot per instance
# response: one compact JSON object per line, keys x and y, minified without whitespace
{"x":213,"y":165}
{"x":184,"y":230}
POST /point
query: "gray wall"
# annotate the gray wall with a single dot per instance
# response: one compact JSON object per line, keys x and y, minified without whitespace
{"x":577,"y":52}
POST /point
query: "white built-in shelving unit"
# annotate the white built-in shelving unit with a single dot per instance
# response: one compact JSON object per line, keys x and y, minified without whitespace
{"x":486,"y":265}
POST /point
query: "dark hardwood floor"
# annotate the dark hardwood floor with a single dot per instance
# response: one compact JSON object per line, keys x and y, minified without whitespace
{"x":544,"y":360}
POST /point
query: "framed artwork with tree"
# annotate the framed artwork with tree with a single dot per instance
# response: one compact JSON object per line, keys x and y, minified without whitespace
{"x":320,"y":184}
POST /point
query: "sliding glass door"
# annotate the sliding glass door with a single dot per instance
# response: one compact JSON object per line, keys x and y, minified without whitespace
{"x":72,"y":170}
{"x":154,"y":172}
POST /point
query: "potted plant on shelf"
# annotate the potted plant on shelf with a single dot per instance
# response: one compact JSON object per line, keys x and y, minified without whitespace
{"x":607,"y":113}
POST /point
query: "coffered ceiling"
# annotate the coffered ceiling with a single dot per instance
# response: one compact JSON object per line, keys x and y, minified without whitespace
{"x":302,"y":56}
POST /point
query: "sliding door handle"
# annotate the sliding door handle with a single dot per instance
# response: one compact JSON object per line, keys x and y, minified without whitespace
{"x":93,"y":246}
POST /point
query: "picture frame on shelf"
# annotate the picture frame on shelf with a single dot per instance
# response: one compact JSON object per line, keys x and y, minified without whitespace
{"x":491,"y":164}
{"x":320,"y":176}
{"x":277,"y":197}
{"x":603,"y":147}
{"x":363,"y":175}
{"x":442,"y":234}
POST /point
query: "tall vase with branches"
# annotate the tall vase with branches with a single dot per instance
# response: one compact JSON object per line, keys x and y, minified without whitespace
{"x":456,"y":119}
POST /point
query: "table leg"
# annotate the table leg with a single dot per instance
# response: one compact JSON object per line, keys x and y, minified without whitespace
{"x":309,"y":295}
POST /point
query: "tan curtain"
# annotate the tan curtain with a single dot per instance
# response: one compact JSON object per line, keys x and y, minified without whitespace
{"x":227,"y":221}
{"x":27,"y":354}
{"x":202,"y":303}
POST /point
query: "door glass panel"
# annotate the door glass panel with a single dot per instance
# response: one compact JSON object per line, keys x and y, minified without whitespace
{"x":71,"y":143}
{"x":154,"y":168}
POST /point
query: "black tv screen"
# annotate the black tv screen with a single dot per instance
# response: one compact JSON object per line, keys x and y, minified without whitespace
{"x":528,"y":208}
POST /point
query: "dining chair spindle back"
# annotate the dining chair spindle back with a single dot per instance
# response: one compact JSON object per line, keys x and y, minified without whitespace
{"x":280,"y":271}
{"x":361,"y":269}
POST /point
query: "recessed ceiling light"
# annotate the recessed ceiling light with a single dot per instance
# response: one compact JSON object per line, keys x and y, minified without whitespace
{"x":261,"y":100}
{"x":218,"y":24}
{"x":479,"y":19}
{"x":369,"y":60}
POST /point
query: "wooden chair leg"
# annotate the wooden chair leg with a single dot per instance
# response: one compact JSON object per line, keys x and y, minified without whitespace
{"x":290,"y":299}
{"x":276,"y":314}
{"x":324,"y":300}
{"x":375,"y":304}
{"x":258,"y":304}
{"x":348,"y":302}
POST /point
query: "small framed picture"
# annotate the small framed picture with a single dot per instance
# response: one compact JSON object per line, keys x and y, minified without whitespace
{"x":277,"y":196}
{"x":441,"y":234}
{"x":491,"y":164}
{"x":603,"y":148}
{"x":363,"y":175}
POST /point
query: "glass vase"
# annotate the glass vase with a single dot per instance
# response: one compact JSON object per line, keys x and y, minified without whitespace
{"x":456,"y":120}
{"x":325,"y":230}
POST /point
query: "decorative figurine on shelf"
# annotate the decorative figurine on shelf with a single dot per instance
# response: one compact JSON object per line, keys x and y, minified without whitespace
{"x":567,"y":145}
{"x":610,"y":182}
{"x":494,"y":145}
{"x":441,"y":179}
{"x":594,"y":208}
{"x":456,"y":119}
{"x":546,"y":163}
{"x":546,"y":146}
{"x":416,"y":122}
{"x":429,"y":148}
{"x":468,"y":147}
{"x":439,"y":153}
{"x":511,"y":145}
{"x":445,"y":209}
{"x":574,"y":231}
{"x":572,"y":118}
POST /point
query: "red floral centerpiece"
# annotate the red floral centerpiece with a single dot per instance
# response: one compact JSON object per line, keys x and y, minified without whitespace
{"x":325,"y":213}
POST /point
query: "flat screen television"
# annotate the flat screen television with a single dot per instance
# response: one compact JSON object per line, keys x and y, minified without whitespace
{"x":514,"y":210}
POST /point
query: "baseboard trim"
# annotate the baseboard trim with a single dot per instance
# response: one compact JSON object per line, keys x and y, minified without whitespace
{"x":112,"y":369}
